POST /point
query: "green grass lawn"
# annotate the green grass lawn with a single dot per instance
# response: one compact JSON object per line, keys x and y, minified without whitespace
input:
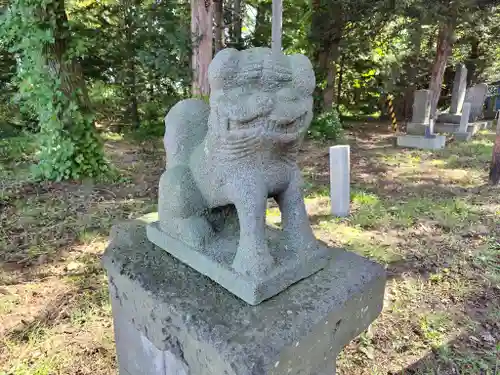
{"x":429,"y":217}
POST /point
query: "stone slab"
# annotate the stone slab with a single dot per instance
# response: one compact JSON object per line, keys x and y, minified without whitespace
{"x":212,"y":332}
{"x":447,"y":127}
{"x":215,"y":261}
{"x":417,"y":141}
{"x":463,"y":137}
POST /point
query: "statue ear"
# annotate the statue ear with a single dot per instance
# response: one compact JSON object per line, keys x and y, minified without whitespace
{"x":223,"y":68}
{"x":303,"y":74}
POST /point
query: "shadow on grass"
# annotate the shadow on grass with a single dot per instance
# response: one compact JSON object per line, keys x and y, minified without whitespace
{"x":476,"y":351}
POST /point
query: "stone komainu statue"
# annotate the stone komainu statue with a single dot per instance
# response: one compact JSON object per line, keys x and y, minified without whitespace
{"x":234,"y":154}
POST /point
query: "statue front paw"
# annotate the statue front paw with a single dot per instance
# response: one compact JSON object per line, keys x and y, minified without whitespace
{"x":194,"y":231}
{"x":253,"y":261}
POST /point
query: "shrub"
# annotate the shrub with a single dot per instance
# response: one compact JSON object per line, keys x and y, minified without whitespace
{"x":327,"y":126}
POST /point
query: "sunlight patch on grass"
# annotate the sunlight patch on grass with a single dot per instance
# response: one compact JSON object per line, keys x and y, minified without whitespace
{"x":434,"y":327}
{"x":366,"y":243}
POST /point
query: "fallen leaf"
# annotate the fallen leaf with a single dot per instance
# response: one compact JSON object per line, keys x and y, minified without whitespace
{"x":488,"y":337}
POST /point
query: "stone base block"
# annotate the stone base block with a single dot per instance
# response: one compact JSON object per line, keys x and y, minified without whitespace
{"x":416,"y":128}
{"x":462,"y":137}
{"x":418,"y":141}
{"x":215,"y":261}
{"x":450,"y":118}
{"x":170,"y":319}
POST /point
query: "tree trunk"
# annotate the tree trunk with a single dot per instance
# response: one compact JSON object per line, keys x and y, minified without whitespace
{"x":218,"y":25}
{"x":341,"y":78}
{"x":69,"y":71}
{"x":412,"y":68}
{"x":201,"y":30}
{"x":130,"y":73}
{"x":326,"y":35}
{"x":443,"y":52}
{"x":472,"y":61}
{"x":237,"y":24}
{"x":495,"y":160}
{"x":262,"y":33}
{"x":329,"y":91}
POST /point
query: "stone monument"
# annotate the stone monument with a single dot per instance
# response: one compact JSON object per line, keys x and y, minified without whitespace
{"x":420,"y":131}
{"x":203,"y":287}
{"x":420,"y":112}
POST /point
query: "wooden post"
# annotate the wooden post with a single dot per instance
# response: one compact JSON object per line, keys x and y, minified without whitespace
{"x":495,"y":160}
{"x":276,"y":25}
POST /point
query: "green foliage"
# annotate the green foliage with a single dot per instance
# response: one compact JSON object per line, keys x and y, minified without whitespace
{"x":69,"y":145}
{"x":327,"y":126}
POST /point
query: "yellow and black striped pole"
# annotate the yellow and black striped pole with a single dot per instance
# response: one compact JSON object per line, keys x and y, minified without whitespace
{"x":390,"y":107}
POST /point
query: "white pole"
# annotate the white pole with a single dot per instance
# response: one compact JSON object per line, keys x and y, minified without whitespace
{"x":276,"y":25}
{"x":340,"y":180}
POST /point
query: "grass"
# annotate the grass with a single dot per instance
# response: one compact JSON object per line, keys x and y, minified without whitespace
{"x":428,"y":217}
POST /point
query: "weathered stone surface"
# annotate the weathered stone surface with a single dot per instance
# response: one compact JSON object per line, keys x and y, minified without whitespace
{"x":215,"y":258}
{"x":458,"y":91}
{"x":209,"y":331}
{"x":226,"y":159}
{"x":421,"y":107}
{"x":417,"y":141}
{"x":476,"y":96}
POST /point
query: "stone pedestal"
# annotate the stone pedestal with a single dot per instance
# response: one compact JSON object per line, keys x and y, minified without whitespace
{"x":170,"y":319}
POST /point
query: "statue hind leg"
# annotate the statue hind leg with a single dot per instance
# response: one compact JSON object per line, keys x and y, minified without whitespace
{"x":181,"y":208}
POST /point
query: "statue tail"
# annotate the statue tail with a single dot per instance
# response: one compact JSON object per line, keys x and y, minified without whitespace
{"x":186,"y":125}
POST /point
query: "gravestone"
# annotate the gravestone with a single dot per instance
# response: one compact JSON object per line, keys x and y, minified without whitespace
{"x":421,"y":107}
{"x":204,"y":287}
{"x":476,"y":96}
{"x":340,"y":170}
{"x":421,"y":112}
{"x":458,"y":91}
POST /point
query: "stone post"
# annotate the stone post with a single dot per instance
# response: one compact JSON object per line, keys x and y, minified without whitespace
{"x":462,"y":134}
{"x":459,"y":87}
{"x":170,"y":319}
{"x":340,"y":180}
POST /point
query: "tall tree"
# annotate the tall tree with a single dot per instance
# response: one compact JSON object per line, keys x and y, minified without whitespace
{"x":201,"y":30}
{"x":218,"y":24}
{"x":495,"y":161}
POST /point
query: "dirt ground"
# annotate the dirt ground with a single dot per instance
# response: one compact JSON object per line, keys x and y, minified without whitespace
{"x":430,"y":217}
